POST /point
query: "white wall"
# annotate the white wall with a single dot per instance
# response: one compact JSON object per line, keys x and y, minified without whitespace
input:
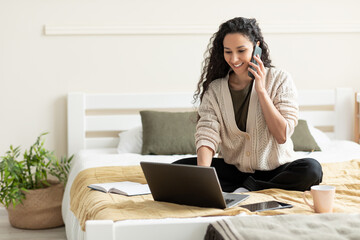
{"x":315,"y":40}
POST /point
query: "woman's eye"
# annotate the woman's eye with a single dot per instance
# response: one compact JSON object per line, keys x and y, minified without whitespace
{"x":240,"y":51}
{"x":228,"y":52}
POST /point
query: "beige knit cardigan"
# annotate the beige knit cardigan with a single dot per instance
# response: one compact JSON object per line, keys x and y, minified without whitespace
{"x":255,"y":149}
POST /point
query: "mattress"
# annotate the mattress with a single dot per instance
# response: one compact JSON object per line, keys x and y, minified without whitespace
{"x":333,"y":151}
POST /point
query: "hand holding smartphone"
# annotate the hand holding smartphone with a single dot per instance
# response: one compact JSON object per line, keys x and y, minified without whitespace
{"x":257,"y":51}
{"x":263,"y":206}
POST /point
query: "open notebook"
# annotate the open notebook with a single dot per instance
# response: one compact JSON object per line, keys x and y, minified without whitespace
{"x":125,"y":188}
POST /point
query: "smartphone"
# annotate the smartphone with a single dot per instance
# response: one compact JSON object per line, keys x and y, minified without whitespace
{"x":263,"y":206}
{"x":257,"y":51}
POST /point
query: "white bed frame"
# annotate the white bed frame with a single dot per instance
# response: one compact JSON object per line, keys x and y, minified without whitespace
{"x":94,"y":120}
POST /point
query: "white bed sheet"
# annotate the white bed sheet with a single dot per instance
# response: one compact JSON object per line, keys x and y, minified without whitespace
{"x":334,"y":151}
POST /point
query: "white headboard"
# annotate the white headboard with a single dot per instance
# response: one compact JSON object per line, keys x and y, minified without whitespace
{"x":94,"y":120}
{"x":332,"y":111}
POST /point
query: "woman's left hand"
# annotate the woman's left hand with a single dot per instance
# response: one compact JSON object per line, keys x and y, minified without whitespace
{"x":259,"y":74}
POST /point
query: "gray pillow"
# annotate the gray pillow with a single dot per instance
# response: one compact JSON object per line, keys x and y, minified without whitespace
{"x":168,"y":133}
{"x":302,"y":138}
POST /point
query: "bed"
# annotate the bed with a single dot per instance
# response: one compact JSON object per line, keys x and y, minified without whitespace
{"x":95,"y":120}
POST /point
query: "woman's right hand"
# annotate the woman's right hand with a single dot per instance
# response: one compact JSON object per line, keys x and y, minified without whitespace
{"x":204,"y":156}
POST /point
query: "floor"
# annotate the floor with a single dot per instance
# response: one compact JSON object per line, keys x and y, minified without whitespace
{"x":7,"y":232}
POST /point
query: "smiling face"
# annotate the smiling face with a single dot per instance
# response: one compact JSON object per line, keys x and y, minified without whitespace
{"x":237,"y":52}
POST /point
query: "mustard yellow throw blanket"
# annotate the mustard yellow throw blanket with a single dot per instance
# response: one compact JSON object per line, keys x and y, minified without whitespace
{"x":87,"y":204}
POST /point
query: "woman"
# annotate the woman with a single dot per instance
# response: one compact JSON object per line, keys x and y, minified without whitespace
{"x":248,"y":120}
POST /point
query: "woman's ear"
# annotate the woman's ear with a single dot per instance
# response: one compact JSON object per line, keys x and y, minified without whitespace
{"x":258,"y":43}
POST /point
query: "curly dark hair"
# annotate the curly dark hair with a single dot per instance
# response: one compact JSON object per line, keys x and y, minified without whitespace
{"x":214,"y":65}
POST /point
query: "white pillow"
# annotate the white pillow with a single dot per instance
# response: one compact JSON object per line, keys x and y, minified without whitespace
{"x":320,"y":137}
{"x":130,"y":141}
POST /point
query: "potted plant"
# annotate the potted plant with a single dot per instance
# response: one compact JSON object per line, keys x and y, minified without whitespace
{"x":33,"y":200}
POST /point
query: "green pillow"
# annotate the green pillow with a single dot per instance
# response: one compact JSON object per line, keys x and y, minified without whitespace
{"x":167,"y":133}
{"x":302,"y":138}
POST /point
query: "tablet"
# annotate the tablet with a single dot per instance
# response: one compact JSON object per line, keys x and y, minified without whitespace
{"x":264,"y":206}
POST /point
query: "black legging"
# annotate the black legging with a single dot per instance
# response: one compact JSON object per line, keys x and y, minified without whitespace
{"x":298,"y":175}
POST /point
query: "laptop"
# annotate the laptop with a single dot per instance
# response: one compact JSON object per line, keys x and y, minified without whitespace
{"x":188,"y":185}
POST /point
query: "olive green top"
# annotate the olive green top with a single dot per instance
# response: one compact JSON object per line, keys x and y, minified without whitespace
{"x":241,"y":99}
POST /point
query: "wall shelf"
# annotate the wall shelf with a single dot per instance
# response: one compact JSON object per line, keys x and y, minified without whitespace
{"x":294,"y":28}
